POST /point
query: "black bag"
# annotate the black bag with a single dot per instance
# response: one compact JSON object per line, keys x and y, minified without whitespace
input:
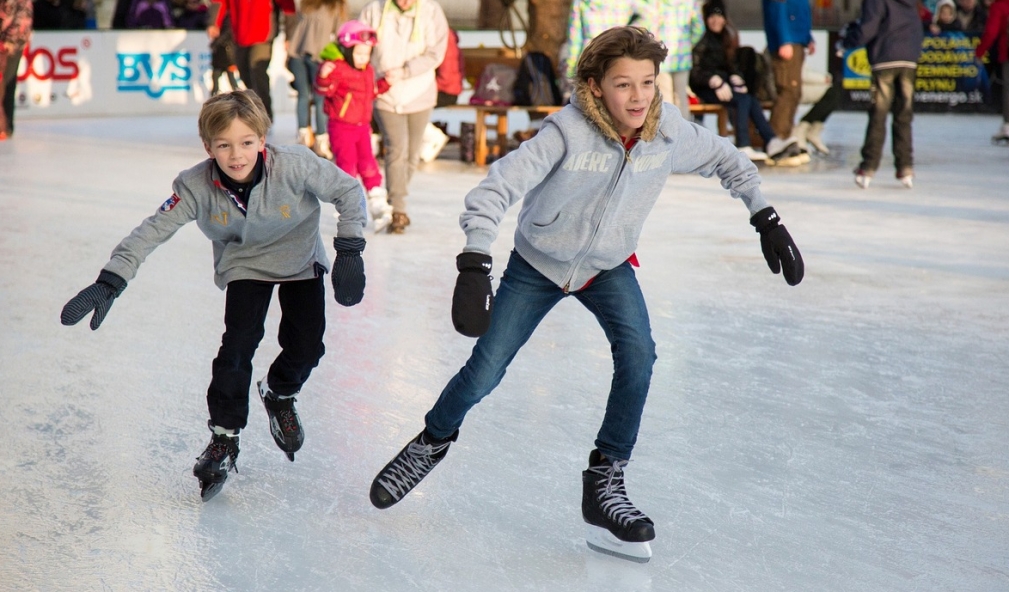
{"x":536,"y":82}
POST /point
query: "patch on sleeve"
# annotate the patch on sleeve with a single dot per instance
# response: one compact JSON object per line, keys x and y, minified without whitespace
{"x":170,"y":203}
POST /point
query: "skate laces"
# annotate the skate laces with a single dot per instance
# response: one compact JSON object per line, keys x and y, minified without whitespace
{"x":612,"y":494}
{"x":221,"y":446}
{"x":286,"y":416}
{"x":411,"y":466}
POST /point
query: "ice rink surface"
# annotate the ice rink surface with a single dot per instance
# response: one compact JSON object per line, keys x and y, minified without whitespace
{"x":846,"y":434}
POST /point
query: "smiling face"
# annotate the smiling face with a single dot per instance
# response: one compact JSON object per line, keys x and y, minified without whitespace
{"x":236,"y":150}
{"x":627,"y":90}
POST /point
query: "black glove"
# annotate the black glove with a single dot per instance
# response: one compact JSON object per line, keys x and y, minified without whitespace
{"x":779,"y":249}
{"x":348,"y":271}
{"x":97,"y":297}
{"x":473,"y":299}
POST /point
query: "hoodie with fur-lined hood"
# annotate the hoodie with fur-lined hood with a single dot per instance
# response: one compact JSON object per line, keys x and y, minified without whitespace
{"x":585,"y":197}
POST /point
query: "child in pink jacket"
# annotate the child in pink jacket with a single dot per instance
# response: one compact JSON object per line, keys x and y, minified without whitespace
{"x":347,"y":81}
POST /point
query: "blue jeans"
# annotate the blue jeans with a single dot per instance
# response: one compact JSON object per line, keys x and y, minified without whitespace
{"x":744,"y":108}
{"x":304,"y":69}
{"x":524,"y":297}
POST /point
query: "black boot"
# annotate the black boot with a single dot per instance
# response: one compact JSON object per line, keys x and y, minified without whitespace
{"x":217,"y":460}
{"x":285,"y":425}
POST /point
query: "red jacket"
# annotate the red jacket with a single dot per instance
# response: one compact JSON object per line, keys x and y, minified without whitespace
{"x":997,"y":29}
{"x":350,"y":93}
{"x":251,"y":20}
{"x":450,"y":73}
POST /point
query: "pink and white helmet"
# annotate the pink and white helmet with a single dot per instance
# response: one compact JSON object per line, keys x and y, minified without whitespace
{"x":353,"y":33}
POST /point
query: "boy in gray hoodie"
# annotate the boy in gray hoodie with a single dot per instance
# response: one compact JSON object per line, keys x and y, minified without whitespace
{"x":587,"y":181}
{"x":259,"y":206}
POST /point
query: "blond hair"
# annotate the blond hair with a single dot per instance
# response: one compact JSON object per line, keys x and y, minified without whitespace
{"x":612,"y":44}
{"x":219,"y":111}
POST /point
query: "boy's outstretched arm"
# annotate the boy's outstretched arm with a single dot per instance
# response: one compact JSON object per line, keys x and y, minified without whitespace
{"x":707,"y":154}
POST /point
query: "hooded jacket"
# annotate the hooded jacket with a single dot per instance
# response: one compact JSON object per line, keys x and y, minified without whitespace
{"x":414,"y":40}
{"x":891,"y":32}
{"x":585,"y":197}
{"x":274,"y":238}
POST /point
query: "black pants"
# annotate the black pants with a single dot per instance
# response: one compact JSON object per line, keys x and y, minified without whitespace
{"x":253,"y":62}
{"x":892,"y":91}
{"x":302,"y":325}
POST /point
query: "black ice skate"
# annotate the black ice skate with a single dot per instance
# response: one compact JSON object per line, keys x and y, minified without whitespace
{"x":616,"y":527}
{"x":217,"y":460}
{"x":410,"y":466}
{"x":285,"y":425}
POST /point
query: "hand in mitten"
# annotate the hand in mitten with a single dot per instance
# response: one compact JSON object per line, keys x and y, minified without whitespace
{"x":97,"y":297}
{"x":473,"y":299}
{"x":348,"y":271}
{"x":779,"y":249}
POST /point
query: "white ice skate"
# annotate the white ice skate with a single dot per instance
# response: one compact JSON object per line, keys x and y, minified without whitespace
{"x":1002,"y":137}
{"x":433,"y":142}
{"x":601,"y":540}
{"x":378,"y":206}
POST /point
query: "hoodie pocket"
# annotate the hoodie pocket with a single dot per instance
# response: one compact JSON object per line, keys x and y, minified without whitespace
{"x":560,"y":238}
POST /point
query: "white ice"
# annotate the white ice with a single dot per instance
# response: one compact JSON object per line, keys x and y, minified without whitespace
{"x":846,"y":434}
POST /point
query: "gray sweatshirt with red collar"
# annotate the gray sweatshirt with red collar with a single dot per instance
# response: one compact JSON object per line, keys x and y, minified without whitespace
{"x":585,"y":197}
{"x":276,"y":238}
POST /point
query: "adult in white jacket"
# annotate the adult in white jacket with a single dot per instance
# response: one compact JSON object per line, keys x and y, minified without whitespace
{"x":412,"y":36}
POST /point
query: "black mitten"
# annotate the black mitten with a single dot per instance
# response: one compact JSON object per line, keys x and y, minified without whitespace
{"x":779,"y":249}
{"x":348,"y":271}
{"x":97,"y":297}
{"x":473,"y":299}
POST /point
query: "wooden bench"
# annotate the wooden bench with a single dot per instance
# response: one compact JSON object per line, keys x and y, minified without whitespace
{"x":482,"y":148}
{"x":720,"y":112}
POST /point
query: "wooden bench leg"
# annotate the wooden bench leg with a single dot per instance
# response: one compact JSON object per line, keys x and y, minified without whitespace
{"x":723,"y":122}
{"x":480,"y":131}
{"x":502,"y":134}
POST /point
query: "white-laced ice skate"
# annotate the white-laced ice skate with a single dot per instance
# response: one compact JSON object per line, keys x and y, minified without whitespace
{"x":379,"y":208}
{"x":408,"y":468}
{"x":614,"y":526}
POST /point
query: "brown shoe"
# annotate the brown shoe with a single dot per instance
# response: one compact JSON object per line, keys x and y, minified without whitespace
{"x":399,"y":223}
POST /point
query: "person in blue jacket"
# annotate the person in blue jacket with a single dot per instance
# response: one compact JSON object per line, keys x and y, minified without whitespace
{"x":788,"y":25}
{"x":587,"y":182}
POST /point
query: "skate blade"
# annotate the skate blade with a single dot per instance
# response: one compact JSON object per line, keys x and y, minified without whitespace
{"x":209,"y":489}
{"x":602,"y":541}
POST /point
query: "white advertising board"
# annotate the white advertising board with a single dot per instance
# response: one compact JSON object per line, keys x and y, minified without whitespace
{"x":95,"y":73}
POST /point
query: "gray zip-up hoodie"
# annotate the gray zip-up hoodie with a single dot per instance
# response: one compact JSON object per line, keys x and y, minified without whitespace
{"x":276,"y":239}
{"x":584,"y":197}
